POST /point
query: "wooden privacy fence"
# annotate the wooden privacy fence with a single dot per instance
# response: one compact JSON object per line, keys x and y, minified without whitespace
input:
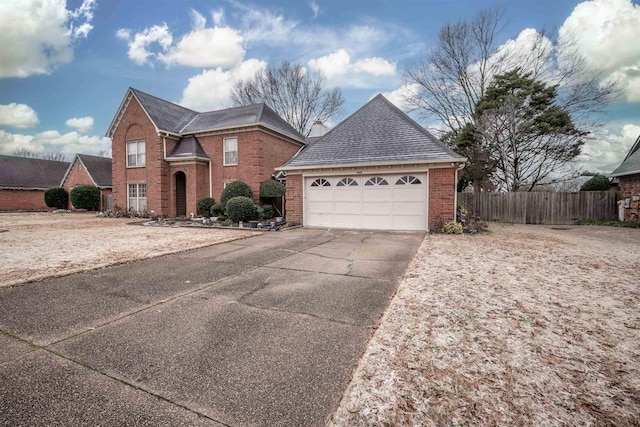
{"x":541,"y":208}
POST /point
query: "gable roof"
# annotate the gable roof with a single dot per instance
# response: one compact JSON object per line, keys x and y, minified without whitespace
{"x":30,"y":174}
{"x":177,"y":120}
{"x":98,"y":168}
{"x":631,"y":163}
{"x":187,"y":148}
{"x":379,"y":132}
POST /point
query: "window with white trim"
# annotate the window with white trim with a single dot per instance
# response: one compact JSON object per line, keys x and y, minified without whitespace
{"x":137,"y":197}
{"x":230,"y":151}
{"x":136,"y":154}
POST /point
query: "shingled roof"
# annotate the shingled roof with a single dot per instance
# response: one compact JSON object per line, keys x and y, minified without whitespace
{"x":188,"y":148}
{"x":30,"y":174}
{"x":175,"y":119}
{"x":631,"y":163}
{"x":98,"y":168}
{"x":378,"y":132}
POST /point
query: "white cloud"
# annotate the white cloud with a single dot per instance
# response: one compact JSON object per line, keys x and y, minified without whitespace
{"x":201,"y":47}
{"x":38,"y":35}
{"x":606,"y":33}
{"x":82,"y":124}
{"x":53,"y":141}
{"x":376,"y":66}
{"x":333,"y":64}
{"x":314,"y":8}
{"x":338,"y":68}
{"x":18,"y":116}
{"x":211,"y":89}
{"x":399,"y":96}
{"x":606,"y":150}
{"x":207,"y":47}
{"x":140,"y":43}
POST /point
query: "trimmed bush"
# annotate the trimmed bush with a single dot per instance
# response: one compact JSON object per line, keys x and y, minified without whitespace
{"x":270,"y":189}
{"x":217,"y":210}
{"x":597,"y":183}
{"x":235,"y":189}
{"x":204,"y":205}
{"x":85,"y":197}
{"x":241,"y":208}
{"x":56,"y":197}
{"x":268,"y":211}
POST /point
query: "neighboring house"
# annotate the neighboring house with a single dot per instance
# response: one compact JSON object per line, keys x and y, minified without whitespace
{"x":629,"y":175}
{"x":378,"y":169}
{"x":24,"y":180}
{"x":90,"y":170}
{"x":166,"y":157}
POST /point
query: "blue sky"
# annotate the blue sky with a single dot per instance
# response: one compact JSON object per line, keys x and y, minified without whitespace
{"x":65,"y":66}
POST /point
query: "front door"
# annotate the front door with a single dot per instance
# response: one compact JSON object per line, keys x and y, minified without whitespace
{"x":181,"y":194}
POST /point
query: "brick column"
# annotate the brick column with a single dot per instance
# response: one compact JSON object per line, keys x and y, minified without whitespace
{"x":442,"y":188}
{"x":293,"y":198}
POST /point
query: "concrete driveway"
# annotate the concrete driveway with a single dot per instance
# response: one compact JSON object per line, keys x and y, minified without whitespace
{"x":262,"y":331}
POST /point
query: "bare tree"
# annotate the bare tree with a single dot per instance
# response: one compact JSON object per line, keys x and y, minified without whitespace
{"x":450,"y":80}
{"x":52,"y":155}
{"x":527,"y":134}
{"x":297,"y":96}
{"x":25,"y":152}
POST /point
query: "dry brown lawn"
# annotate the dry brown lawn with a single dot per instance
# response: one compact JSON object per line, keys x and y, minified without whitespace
{"x":527,"y":325}
{"x":39,"y":245}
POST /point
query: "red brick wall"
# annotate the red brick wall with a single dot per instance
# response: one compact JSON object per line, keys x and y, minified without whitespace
{"x":259,"y":153}
{"x":135,"y":125}
{"x":293,"y":199}
{"x":630,"y":187}
{"x":76,"y":177}
{"x":22,"y":200}
{"x":441,"y":195}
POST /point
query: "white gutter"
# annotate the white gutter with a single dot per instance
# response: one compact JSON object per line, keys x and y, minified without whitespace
{"x":210,"y":181}
{"x":454,"y":161}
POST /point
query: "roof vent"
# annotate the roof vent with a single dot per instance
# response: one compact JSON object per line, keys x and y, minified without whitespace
{"x":318,"y":129}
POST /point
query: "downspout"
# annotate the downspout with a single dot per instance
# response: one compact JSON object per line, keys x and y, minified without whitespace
{"x":210,"y":181}
{"x":455,"y":197}
{"x":455,"y":193}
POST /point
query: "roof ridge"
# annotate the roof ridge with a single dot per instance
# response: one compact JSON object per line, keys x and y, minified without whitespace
{"x":417,"y":125}
{"x":634,"y":148}
{"x":160,"y":99}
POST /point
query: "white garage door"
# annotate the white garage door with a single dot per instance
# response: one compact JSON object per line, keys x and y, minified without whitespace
{"x":384,"y":202}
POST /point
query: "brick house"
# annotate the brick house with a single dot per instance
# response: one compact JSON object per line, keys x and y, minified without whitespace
{"x":629,"y":175}
{"x":378,"y":169}
{"x":23,"y":182}
{"x":90,"y":170}
{"x":166,"y":157}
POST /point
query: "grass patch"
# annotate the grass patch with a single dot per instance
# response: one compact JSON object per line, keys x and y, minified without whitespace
{"x":609,"y":223}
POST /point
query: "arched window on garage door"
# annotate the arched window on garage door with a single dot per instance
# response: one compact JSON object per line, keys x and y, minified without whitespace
{"x":376,"y":180}
{"x":347,"y":182}
{"x":321,"y":182}
{"x":408,"y":179}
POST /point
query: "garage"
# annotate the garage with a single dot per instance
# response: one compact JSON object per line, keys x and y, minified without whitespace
{"x":381,"y":201}
{"x":378,"y":169}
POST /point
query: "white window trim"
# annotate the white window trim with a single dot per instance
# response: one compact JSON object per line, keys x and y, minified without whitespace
{"x":136,"y":142}
{"x":137,"y":198}
{"x":224,"y":151}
